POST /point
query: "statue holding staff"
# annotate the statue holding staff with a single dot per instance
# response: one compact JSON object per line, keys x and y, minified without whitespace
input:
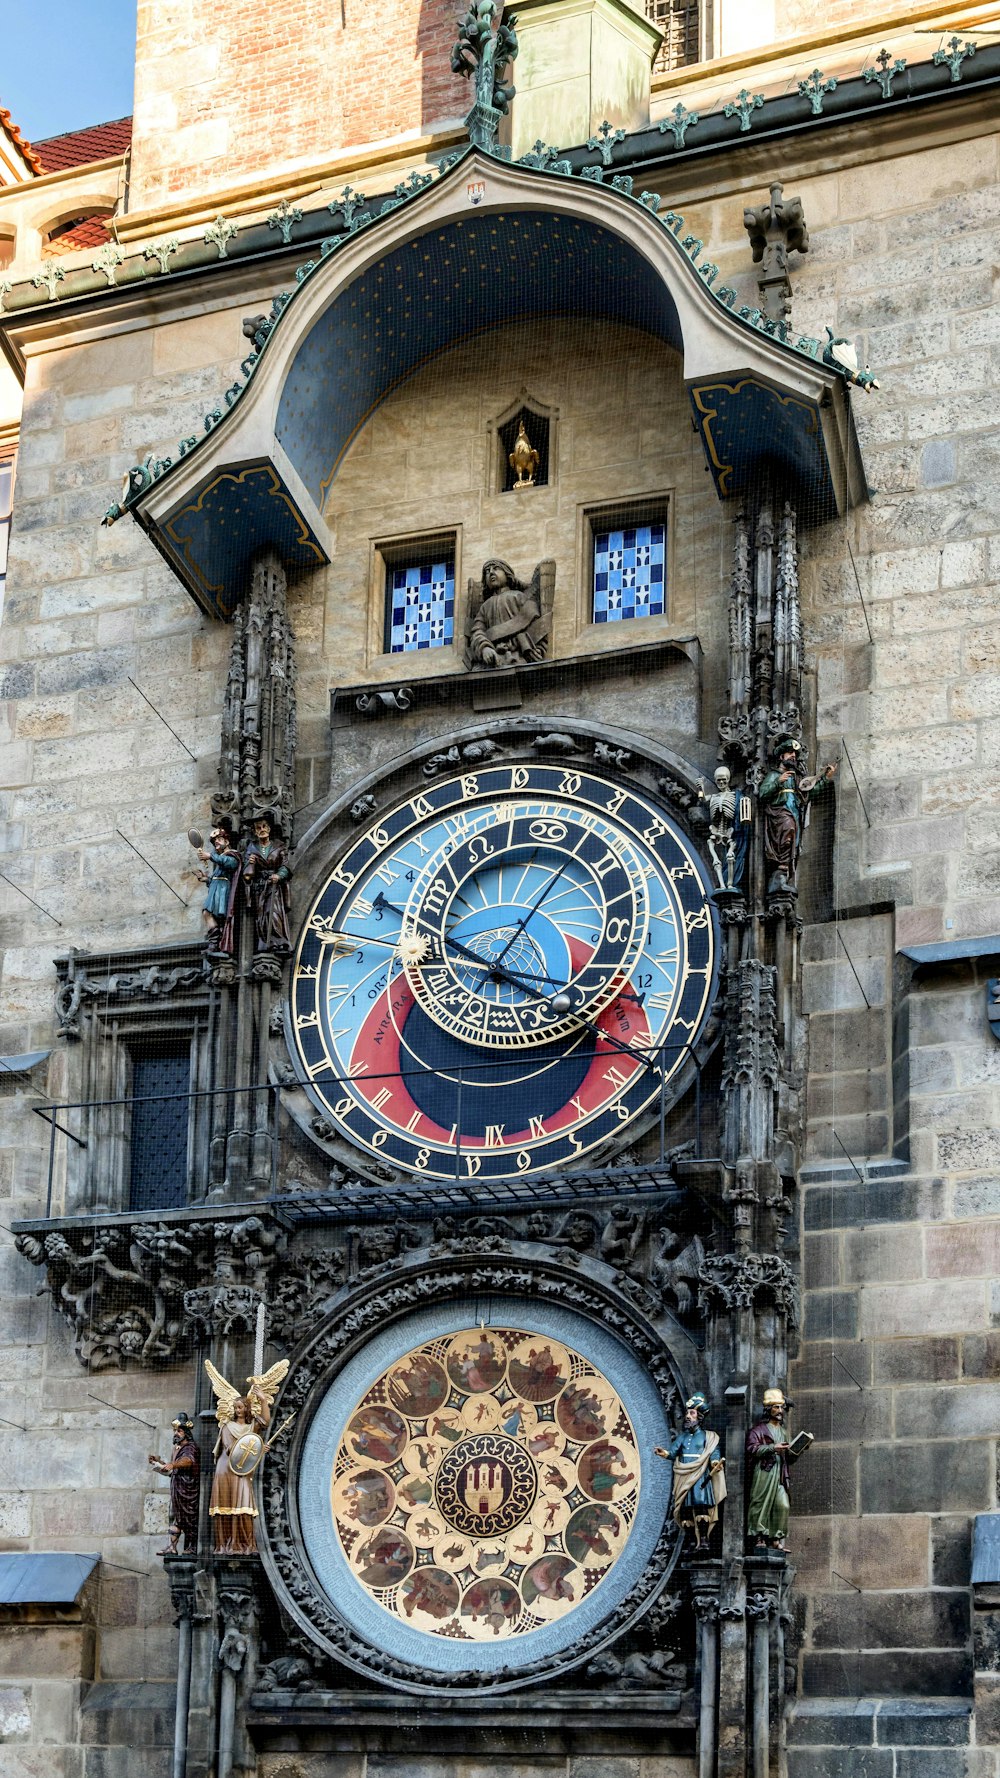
{"x":184,"y":1469}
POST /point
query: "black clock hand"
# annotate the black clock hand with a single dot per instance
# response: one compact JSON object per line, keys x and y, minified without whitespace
{"x":519,"y":928}
{"x":455,"y":944}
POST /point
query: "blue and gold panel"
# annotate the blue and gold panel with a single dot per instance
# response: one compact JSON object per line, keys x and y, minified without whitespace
{"x":748,"y":426}
{"x":420,"y":606}
{"x":477,"y":1489}
{"x":213,"y":538}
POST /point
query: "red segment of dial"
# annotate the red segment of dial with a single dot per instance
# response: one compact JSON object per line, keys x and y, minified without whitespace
{"x":379,"y":1045}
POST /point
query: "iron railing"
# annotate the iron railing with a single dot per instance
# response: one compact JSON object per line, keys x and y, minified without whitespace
{"x":100,"y":1121}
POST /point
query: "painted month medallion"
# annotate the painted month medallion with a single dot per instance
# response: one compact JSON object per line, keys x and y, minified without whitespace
{"x":486,"y":1484}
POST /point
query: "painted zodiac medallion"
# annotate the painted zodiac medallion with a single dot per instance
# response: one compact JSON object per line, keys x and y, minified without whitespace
{"x":486,"y":1484}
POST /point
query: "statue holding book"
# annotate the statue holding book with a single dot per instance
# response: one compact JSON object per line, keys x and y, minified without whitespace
{"x":769,"y":1456}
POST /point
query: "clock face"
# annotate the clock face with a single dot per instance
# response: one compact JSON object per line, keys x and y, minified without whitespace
{"x":502,"y":972}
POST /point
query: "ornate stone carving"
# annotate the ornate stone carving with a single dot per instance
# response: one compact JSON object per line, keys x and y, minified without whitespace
{"x":78,"y":990}
{"x":740,"y":1281}
{"x":750,"y":1063}
{"x":142,"y":1293}
{"x":257,"y":753}
{"x":776,"y":229}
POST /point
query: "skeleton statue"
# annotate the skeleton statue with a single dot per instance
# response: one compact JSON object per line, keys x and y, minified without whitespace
{"x":728,"y":831}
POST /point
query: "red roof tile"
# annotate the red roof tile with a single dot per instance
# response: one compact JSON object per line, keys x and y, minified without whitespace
{"x":10,"y":128}
{"x":92,"y":231}
{"x":97,"y":143}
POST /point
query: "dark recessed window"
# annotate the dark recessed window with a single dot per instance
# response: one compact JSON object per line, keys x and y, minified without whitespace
{"x":158,"y":1157}
{"x":537,"y":433}
{"x":680,"y":22}
{"x":419,"y":595}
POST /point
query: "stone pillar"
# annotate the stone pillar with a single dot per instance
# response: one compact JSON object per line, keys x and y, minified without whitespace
{"x":256,"y":773}
{"x":581,"y":62}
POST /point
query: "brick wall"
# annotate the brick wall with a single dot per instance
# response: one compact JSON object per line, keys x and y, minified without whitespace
{"x":225,"y":94}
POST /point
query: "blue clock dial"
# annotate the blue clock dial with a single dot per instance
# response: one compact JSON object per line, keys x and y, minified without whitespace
{"x":502,"y":972}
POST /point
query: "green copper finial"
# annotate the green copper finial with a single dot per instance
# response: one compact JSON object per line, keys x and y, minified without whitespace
{"x":219,"y":233}
{"x":744,"y":107}
{"x":953,"y":56}
{"x":161,"y":251}
{"x":347,"y":206}
{"x":284,"y":218}
{"x":816,"y":88}
{"x":679,"y":122}
{"x":107,"y":259}
{"x":50,"y":276}
{"x":604,"y":142}
{"x":485,"y":56}
{"x":884,"y":71}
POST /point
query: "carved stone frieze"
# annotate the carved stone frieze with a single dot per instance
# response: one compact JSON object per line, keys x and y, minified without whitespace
{"x":742,"y":1281}
{"x":86,"y":983}
{"x":143,"y":1292}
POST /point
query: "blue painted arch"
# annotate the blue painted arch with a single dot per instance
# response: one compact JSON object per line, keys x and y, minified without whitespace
{"x":476,"y":273}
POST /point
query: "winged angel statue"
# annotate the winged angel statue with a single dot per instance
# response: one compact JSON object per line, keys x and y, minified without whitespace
{"x":239,"y":1448}
{"x":507,"y":622}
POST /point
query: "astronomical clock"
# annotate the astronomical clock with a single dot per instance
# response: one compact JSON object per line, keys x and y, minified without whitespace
{"x":503,"y":973}
{"x":502,"y":979}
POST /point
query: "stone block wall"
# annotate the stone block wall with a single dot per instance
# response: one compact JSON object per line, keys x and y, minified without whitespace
{"x":897,"y":1371}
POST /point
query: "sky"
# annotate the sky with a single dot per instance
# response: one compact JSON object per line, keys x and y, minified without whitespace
{"x":67,"y":64}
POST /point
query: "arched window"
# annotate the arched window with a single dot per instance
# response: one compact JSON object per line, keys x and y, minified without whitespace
{"x":8,"y":241}
{"x":680,"y":22}
{"x":89,"y":229}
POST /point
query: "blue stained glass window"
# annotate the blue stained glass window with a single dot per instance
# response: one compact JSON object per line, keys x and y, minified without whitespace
{"x":420,"y":605}
{"x":629,"y":573}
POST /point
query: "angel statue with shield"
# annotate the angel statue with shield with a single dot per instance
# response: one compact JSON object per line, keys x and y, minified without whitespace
{"x":239,"y":1448}
{"x":508,"y":622}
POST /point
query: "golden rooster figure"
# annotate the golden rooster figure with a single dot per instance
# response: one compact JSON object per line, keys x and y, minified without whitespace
{"x":523,"y":458}
{"x":243,"y":1421}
